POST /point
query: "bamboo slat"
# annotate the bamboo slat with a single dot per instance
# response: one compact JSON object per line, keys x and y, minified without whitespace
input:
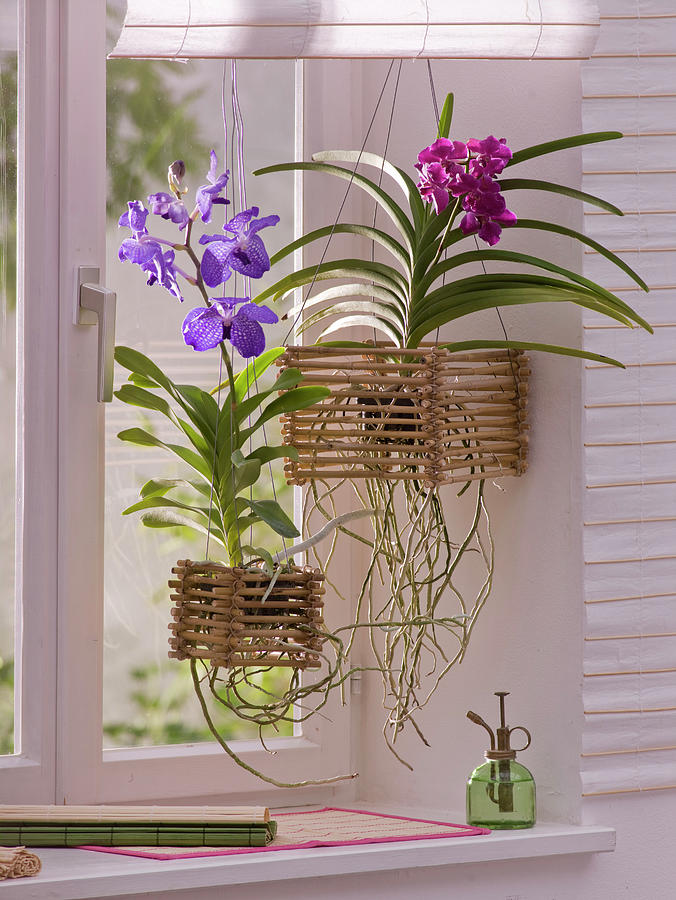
{"x":220,"y":616}
{"x":409,"y":414}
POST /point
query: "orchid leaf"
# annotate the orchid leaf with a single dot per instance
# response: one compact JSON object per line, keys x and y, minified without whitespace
{"x":247,"y":474}
{"x":471,"y":256}
{"x":373,"y":234}
{"x":394,"y":211}
{"x":137,"y":396}
{"x":380,"y":273}
{"x":584,"y":239}
{"x":267,"y":453}
{"x":297,"y":398}
{"x":478,"y":284}
{"x":447,"y":309}
{"x":168,"y":519}
{"x":145,"y":439}
{"x":368,"y":322}
{"x":159,"y":502}
{"x":340,"y":292}
{"x":382,"y":310}
{"x":273,"y":515}
{"x":253,"y":370}
{"x":446,"y":117}
{"x":160,"y":486}
{"x":141,"y":381}
{"x":404,"y":180}
{"x":137,"y":362}
{"x":462,"y":346}
{"x":533,"y":184}
{"x":576,"y":140}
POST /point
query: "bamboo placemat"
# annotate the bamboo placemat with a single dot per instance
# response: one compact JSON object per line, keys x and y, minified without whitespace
{"x":328,"y":827}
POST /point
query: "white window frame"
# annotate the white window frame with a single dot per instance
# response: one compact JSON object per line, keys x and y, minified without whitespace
{"x":61,"y":757}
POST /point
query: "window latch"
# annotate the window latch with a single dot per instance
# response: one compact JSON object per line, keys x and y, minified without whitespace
{"x":96,"y":306}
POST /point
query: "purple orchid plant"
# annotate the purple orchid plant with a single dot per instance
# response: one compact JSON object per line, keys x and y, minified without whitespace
{"x":240,"y":250}
{"x":412,"y":290}
{"x":219,"y":428}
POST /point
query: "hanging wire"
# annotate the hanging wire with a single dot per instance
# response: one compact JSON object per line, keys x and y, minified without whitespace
{"x":292,"y":327}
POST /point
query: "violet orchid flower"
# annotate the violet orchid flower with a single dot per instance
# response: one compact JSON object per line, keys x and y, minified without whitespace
{"x":244,"y":252}
{"x":145,"y":251}
{"x":208,"y":194}
{"x":205,"y":327}
{"x":169,"y":207}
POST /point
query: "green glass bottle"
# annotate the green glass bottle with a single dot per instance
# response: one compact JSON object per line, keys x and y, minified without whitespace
{"x":501,"y":792}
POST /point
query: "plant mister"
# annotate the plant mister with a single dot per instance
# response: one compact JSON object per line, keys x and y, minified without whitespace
{"x":501,"y":792}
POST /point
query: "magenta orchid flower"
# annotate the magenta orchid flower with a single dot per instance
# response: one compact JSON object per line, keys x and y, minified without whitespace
{"x":467,"y":172}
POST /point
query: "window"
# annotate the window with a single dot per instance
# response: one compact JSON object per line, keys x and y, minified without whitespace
{"x":67,"y":463}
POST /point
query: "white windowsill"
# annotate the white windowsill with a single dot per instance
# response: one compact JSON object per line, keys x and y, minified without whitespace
{"x":83,"y":874}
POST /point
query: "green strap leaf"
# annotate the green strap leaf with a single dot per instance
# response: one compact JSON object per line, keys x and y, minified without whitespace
{"x":404,"y":181}
{"x":347,"y":291}
{"x":393,"y":210}
{"x":169,"y":503}
{"x":366,"y":321}
{"x":475,"y":301}
{"x":590,"y":242}
{"x":379,"y":273}
{"x":471,"y":256}
{"x":456,"y":235}
{"x":268,"y":453}
{"x":297,"y":398}
{"x":251,"y":372}
{"x":137,"y":396}
{"x":136,"y":361}
{"x":533,"y":184}
{"x":168,"y":519}
{"x":273,"y":515}
{"x":478,"y":284}
{"x":446,"y":117}
{"x":160,"y":486}
{"x":145,"y":439}
{"x":462,"y":346}
{"x":372,"y":234}
{"x":382,"y":310}
{"x":576,"y":140}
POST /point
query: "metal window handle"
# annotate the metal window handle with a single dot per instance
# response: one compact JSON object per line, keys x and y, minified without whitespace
{"x":96,"y":306}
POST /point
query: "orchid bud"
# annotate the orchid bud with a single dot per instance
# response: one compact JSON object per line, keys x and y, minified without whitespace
{"x":175,"y":175}
{"x":177,"y":170}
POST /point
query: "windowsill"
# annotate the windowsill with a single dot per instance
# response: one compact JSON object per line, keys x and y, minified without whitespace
{"x":83,"y":874}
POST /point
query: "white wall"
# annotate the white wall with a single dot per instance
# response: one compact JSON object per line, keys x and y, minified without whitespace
{"x":529,"y":638}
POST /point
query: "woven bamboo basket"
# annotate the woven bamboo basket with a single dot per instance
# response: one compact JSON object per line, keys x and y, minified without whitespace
{"x":222,"y":616}
{"x":424,"y":414}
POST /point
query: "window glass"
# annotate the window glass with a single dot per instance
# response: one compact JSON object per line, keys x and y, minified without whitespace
{"x":159,"y":112}
{"x":8,"y":234}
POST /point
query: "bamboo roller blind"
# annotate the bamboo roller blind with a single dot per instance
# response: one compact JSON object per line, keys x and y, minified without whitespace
{"x":507,"y":29}
{"x":629,"y":741}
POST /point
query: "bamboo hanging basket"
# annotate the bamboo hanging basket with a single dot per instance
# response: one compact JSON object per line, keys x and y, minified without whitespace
{"x":223,"y":616}
{"x":425,"y":414}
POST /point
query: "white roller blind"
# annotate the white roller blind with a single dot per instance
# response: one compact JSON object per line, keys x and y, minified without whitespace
{"x":630,"y":417}
{"x":520,"y":29}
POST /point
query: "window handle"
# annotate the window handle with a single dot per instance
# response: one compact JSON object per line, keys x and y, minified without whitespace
{"x":96,"y":306}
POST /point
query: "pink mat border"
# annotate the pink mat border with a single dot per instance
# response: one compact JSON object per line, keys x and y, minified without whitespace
{"x":465,"y":831}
